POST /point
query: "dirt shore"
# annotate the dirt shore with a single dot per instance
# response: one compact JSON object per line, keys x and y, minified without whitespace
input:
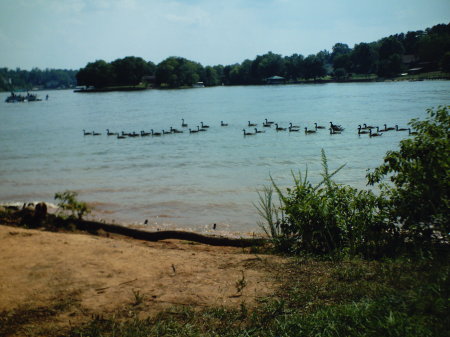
{"x":73,"y":277}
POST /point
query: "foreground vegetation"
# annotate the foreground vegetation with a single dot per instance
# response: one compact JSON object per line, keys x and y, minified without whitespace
{"x":362,"y":264}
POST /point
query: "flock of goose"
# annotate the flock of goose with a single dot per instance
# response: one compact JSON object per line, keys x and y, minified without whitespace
{"x":333,"y":129}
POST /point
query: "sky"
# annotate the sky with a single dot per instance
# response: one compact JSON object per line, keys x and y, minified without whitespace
{"x":67,"y":34}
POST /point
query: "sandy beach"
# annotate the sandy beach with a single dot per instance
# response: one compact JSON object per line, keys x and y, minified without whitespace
{"x":65,"y":279}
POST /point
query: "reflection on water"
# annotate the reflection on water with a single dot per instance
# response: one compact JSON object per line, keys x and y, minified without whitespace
{"x":194,"y":180}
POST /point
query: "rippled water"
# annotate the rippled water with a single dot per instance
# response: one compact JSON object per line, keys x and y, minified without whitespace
{"x":194,"y":180}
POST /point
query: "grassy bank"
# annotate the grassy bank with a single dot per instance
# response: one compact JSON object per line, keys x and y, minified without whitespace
{"x":397,"y":297}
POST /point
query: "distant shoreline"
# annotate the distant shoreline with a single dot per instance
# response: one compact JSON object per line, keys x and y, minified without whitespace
{"x":318,"y":81}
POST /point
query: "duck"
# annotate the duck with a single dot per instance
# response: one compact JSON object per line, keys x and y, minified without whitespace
{"x":259,"y":131}
{"x":175,"y":130}
{"x":368,"y":126}
{"x":412,"y":133}
{"x":293,"y":126}
{"x":111,"y":133}
{"x":309,"y":131}
{"x":200,"y":130}
{"x":87,"y":133}
{"x":377,"y":134}
{"x":156,"y":133}
{"x":278,"y":128}
{"x":399,"y":129}
{"x":388,"y":129}
{"x":96,"y":133}
{"x":336,"y":127}
{"x":183,"y":124}
{"x":252,"y":124}
{"x":223,"y":124}
{"x":248,"y":133}
{"x":334,"y":132}
{"x":292,"y":129}
{"x":193,"y":131}
{"x":204,"y":126}
{"x":362,"y":132}
{"x":319,"y":126}
{"x":268,"y":122}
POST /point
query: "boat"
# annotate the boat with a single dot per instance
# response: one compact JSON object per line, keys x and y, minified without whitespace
{"x":14,"y":98}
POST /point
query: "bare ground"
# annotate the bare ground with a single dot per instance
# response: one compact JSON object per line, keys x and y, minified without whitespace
{"x":61,"y":279}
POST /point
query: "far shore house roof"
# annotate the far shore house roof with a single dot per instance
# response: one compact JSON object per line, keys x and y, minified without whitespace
{"x":275,"y":80}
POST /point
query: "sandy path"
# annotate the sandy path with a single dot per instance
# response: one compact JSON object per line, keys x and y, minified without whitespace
{"x":102,"y":275}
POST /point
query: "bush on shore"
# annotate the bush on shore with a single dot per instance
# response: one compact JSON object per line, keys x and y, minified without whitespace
{"x":412,"y":212}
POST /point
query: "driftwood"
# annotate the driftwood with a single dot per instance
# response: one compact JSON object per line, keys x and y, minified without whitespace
{"x":93,"y":226}
{"x":37,"y":216}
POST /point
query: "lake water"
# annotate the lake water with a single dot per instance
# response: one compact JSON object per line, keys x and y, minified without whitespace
{"x":194,"y":180}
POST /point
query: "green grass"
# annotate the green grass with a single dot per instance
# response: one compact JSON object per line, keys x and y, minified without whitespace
{"x":317,"y":298}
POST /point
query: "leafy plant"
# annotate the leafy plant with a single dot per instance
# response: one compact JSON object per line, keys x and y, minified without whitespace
{"x":68,"y":202}
{"x":420,"y":176}
{"x":326,"y":218}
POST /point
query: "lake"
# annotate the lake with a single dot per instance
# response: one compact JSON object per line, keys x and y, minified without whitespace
{"x":191,"y":181}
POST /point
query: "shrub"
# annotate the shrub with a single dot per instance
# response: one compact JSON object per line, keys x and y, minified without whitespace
{"x":68,"y":202}
{"x":420,"y":176}
{"x":326,"y":218}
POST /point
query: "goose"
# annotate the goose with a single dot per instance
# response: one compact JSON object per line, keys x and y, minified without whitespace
{"x":134,"y":134}
{"x":259,"y":131}
{"x":156,"y":133}
{"x":267,"y":125}
{"x":291,"y":129}
{"x":248,"y":133}
{"x":183,"y":124}
{"x":175,"y":130}
{"x":377,"y":134}
{"x":400,"y":129}
{"x":334,"y":132}
{"x":192,"y":131}
{"x":318,"y":126}
{"x":336,"y":127}
{"x":111,"y":133}
{"x":362,"y":132}
{"x":121,"y":137}
{"x":411,"y":133}
{"x":87,"y":133}
{"x":268,"y":122}
{"x":204,"y":126}
{"x":166,"y":132}
{"x":293,"y":126}
{"x":309,"y":131}
{"x":388,"y":129}
{"x":251,"y":124}
{"x":223,"y":124}
{"x":200,"y":130}
{"x":96,"y":133}
{"x":368,"y":126}
{"x":145,"y":134}
{"x":279,"y":128}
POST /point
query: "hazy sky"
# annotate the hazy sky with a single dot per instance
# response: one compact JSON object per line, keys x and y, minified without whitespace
{"x":70,"y":33}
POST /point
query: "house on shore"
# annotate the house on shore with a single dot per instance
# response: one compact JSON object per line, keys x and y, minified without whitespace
{"x":276,"y":80}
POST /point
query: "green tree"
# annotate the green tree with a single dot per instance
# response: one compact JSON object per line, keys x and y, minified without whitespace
{"x":98,"y":74}
{"x":420,"y":174}
{"x":313,"y":67}
{"x":130,"y":70}
{"x":364,"y":58}
{"x":445,"y":62}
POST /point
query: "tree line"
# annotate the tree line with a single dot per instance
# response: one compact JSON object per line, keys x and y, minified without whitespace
{"x":422,"y":50}
{"x":11,"y":80}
